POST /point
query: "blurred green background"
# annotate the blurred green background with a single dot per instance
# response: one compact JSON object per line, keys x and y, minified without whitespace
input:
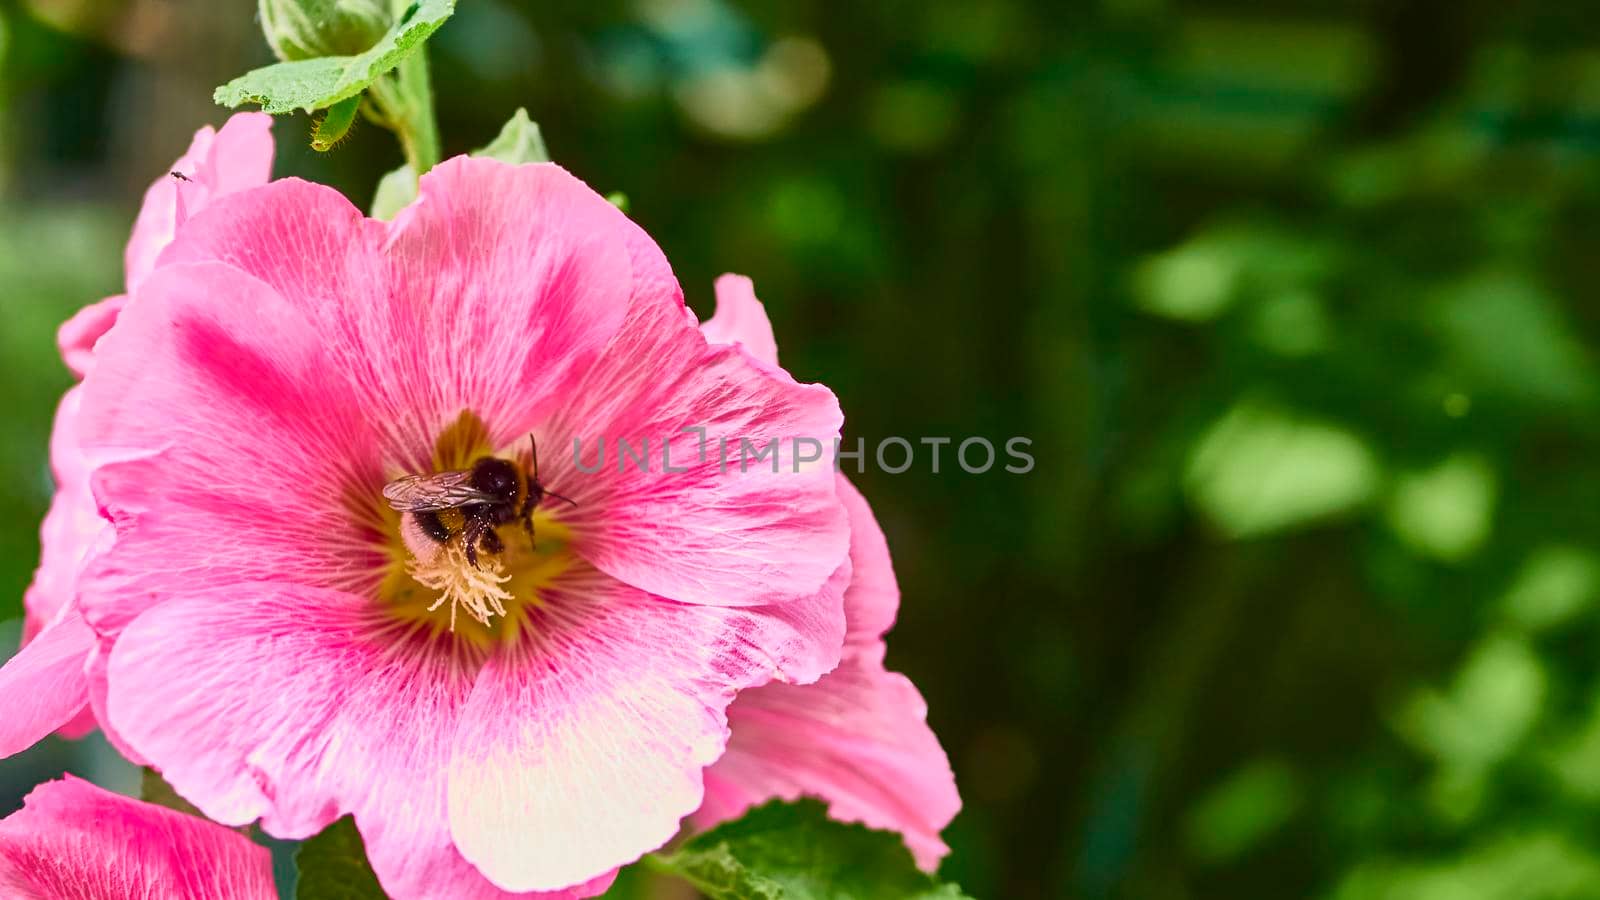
{"x":1294,"y":300}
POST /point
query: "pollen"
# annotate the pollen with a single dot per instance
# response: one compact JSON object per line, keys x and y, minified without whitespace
{"x":479,"y":590}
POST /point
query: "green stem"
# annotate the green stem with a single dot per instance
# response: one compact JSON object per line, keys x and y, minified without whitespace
{"x":406,"y":101}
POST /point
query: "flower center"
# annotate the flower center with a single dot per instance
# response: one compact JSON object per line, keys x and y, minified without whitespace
{"x":483,"y":593}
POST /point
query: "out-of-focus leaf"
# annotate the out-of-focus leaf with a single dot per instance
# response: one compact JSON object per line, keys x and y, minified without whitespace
{"x":1242,"y":811}
{"x":1446,"y":511}
{"x":1492,"y":705}
{"x":1574,"y":758}
{"x":1538,"y":865}
{"x":1552,"y":587}
{"x":793,"y":851}
{"x":313,"y":84}
{"x":1505,"y":332}
{"x":1261,"y":469}
{"x":333,"y":866}
{"x":1202,"y":277}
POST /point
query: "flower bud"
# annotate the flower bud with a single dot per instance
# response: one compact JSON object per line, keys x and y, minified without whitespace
{"x":303,"y":29}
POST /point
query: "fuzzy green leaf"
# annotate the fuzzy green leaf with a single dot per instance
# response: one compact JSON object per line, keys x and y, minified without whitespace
{"x":313,"y":84}
{"x":793,"y":851}
{"x":519,"y":141}
{"x":333,"y":866}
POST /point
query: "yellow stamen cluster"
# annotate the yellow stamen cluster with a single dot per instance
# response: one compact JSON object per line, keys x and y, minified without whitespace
{"x":477,"y":589}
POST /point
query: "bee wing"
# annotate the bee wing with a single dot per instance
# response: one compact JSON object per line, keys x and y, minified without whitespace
{"x":425,"y":493}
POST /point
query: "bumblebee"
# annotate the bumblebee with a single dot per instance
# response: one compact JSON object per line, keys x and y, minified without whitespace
{"x":472,"y":503}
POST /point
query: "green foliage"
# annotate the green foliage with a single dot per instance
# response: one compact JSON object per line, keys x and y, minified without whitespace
{"x":519,"y":141}
{"x":318,"y":83}
{"x":1261,"y":468}
{"x":396,"y":189}
{"x":1243,"y":810}
{"x":793,"y":851}
{"x":1539,"y":865}
{"x":303,"y":29}
{"x":1445,"y":511}
{"x":333,"y":866}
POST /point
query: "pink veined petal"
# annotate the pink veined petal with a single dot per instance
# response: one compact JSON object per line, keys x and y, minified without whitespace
{"x":700,"y":531}
{"x":624,"y":697}
{"x":96,"y":669}
{"x":71,"y":533}
{"x":858,"y":739}
{"x":297,"y":705}
{"x":227,"y":447}
{"x":44,"y":684}
{"x":741,"y":319}
{"x":74,"y":841}
{"x":217,"y":163}
{"x":77,"y":336}
{"x":73,"y":525}
{"x":874,"y":595}
{"x":492,"y":292}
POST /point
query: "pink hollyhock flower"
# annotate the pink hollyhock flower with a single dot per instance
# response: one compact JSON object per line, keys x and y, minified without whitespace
{"x":50,"y":677}
{"x":858,"y":738}
{"x":74,"y":841}
{"x":284,"y":646}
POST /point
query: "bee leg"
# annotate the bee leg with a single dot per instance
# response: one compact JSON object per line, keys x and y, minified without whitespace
{"x":491,"y":541}
{"x":469,"y":540}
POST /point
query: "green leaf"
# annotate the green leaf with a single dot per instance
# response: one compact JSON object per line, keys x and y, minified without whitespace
{"x":154,"y":789}
{"x":793,"y":851}
{"x":395,"y":189}
{"x":519,"y":141}
{"x":313,"y":84}
{"x":333,"y":866}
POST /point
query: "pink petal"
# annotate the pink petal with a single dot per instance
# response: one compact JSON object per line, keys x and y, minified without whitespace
{"x":78,"y":335}
{"x":44,"y":684}
{"x":711,"y":533}
{"x":73,"y":525}
{"x":227,"y":444}
{"x":96,"y":669}
{"x":218,"y":163}
{"x":874,"y":595}
{"x":71,"y":531}
{"x":297,"y":705}
{"x":858,"y":738}
{"x":492,"y":292}
{"x":741,"y":319}
{"x":74,"y":841}
{"x":624,"y":697}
